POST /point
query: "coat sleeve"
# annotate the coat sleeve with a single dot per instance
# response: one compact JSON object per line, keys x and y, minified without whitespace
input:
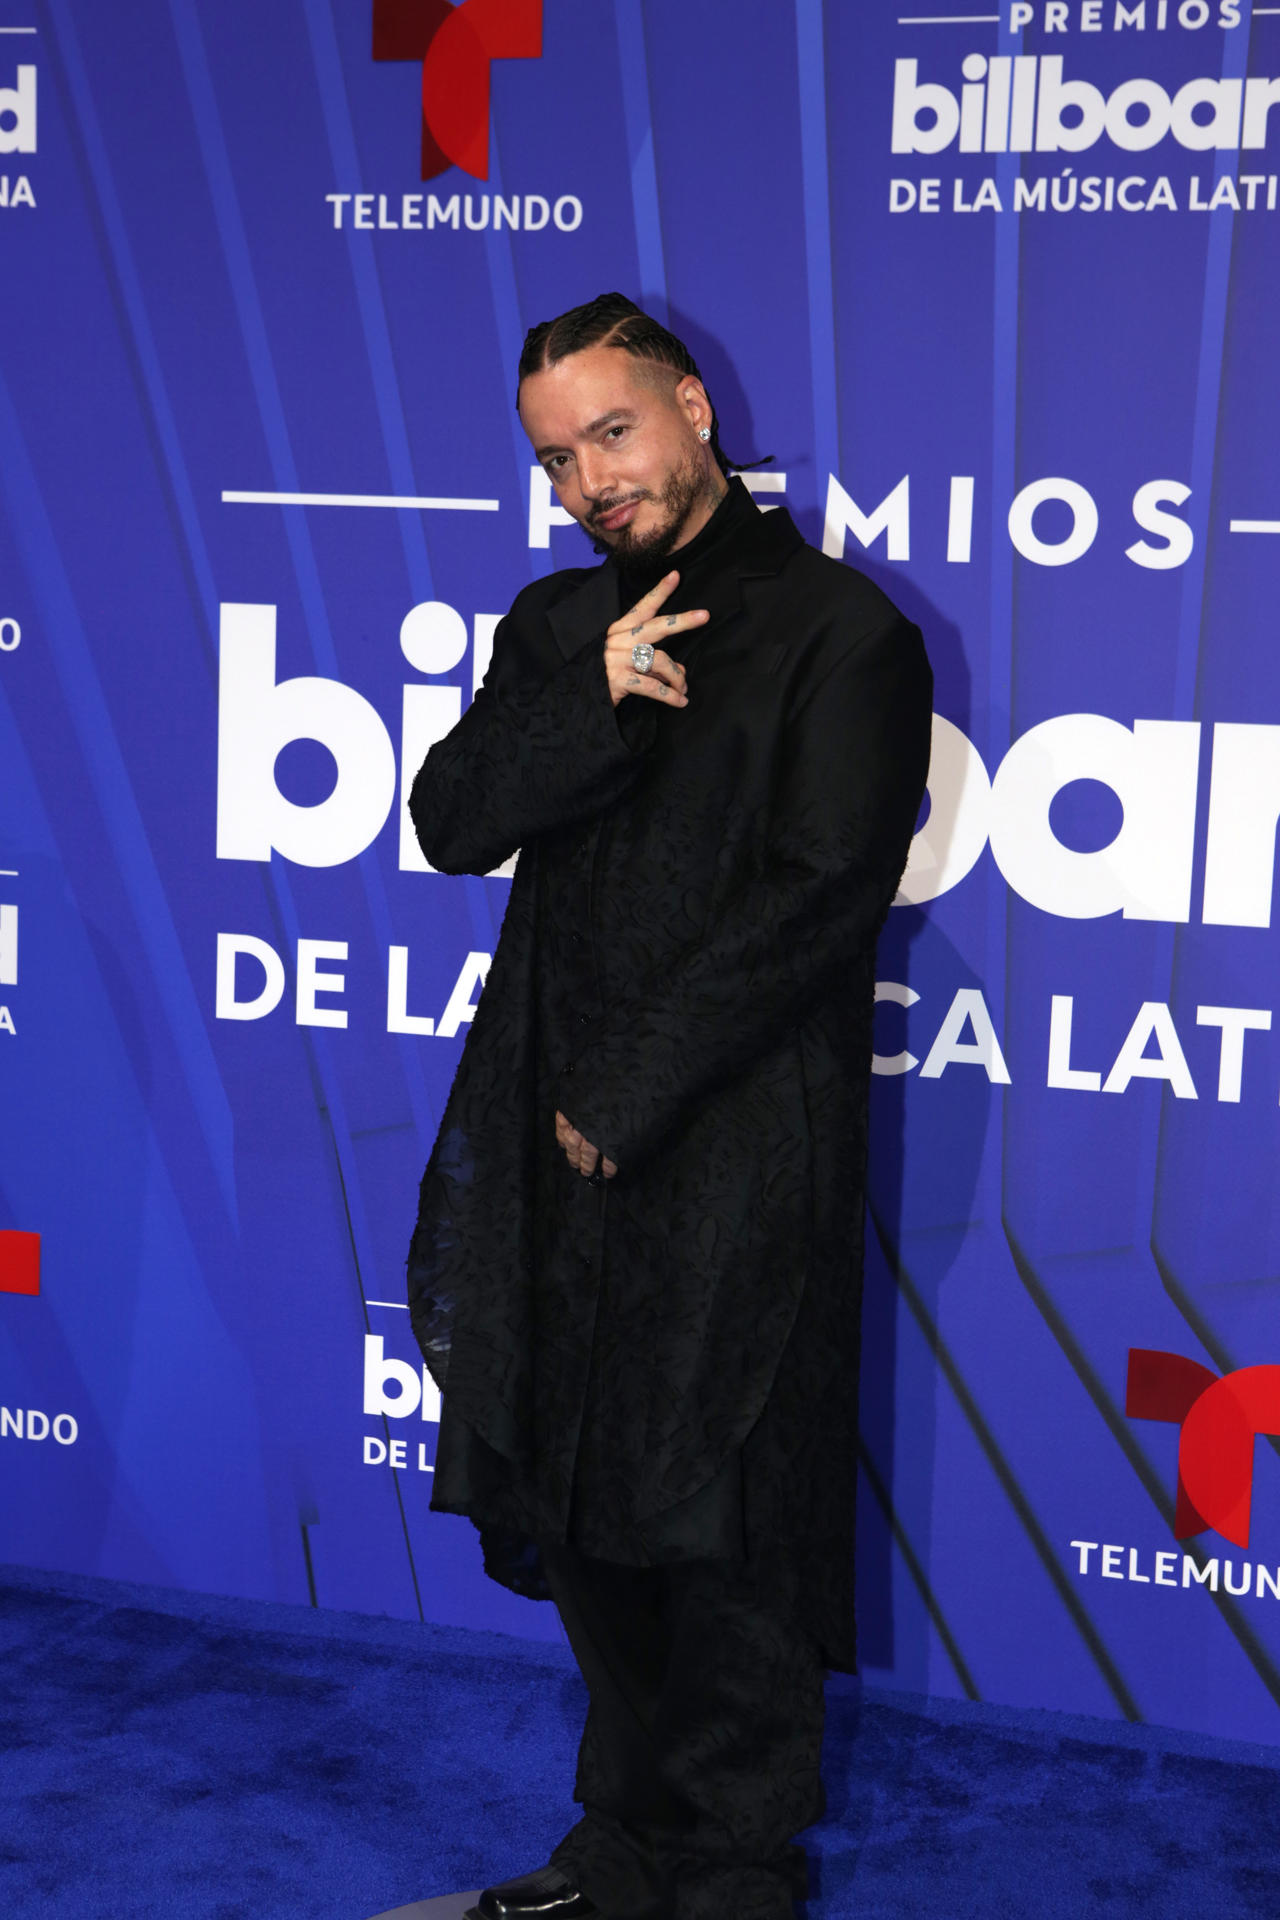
{"x":856,"y":754}
{"x":530,"y":754}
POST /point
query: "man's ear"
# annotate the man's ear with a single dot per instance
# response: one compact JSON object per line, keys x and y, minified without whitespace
{"x":691,"y":397}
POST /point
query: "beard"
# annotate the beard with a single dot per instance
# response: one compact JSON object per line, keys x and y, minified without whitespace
{"x":684,"y":488}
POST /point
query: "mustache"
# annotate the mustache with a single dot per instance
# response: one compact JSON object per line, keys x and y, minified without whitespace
{"x":603,"y":507}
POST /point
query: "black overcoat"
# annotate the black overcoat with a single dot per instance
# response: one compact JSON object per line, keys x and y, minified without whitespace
{"x":686,"y":970}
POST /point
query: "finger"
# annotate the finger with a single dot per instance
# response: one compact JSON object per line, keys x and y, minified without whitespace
{"x":680,"y":622}
{"x":619,"y":648}
{"x":660,"y":629}
{"x":587,"y":1158}
{"x":650,"y":687}
{"x":610,"y":1169}
{"x":661,"y":667}
{"x":663,"y":680}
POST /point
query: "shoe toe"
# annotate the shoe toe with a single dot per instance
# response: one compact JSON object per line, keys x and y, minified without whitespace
{"x":547,"y":1894}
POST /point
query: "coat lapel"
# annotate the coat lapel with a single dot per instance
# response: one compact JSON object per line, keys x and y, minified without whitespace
{"x":585,"y":613}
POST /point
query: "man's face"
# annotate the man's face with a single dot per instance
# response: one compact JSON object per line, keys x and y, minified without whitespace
{"x":618,"y":439}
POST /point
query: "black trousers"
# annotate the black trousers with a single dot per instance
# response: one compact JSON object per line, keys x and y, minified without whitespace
{"x":700,"y":1760}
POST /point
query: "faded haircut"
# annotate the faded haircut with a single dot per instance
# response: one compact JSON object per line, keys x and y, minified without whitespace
{"x":611,"y":320}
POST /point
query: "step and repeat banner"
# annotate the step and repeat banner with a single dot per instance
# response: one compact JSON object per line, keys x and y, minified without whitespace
{"x":999,"y":291}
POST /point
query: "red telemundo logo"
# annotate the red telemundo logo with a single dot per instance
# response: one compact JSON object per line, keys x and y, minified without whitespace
{"x":19,"y":1262}
{"x":1220,"y":1419}
{"x":456,"y":46}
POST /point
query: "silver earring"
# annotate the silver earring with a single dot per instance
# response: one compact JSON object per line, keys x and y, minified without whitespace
{"x":704,"y":433}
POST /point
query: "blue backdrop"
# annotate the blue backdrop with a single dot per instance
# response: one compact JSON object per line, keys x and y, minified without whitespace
{"x":999,"y":292}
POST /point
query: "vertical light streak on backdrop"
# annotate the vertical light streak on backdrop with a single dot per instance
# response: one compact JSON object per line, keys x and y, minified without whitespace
{"x":633,"y":69}
{"x":916,"y":1282}
{"x":1002,"y":668}
{"x":1003,"y":656}
{"x":1193,"y":613}
{"x":1191,"y":628}
{"x":82,"y":689}
{"x":511,"y":329}
{"x":135,"y":1486}
{"x":1002,"y":641}
{"x":285,"y":475}
{"x":349,"y":175}
{"x":811,"y":75}
{"x":1002,"y":596}
{"x":169,"y":969}
{"x":122,"y":265}
{"x":812,"y":68}
{"x":395,"y":437}
{"x":182,"y":1288}
{"x":138,"y":339}
{"x":386,"y":386}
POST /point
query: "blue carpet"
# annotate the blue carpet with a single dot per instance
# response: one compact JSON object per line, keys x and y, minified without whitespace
{"x":163,"y":1755}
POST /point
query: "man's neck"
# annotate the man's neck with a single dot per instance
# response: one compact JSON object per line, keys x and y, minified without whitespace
{"x":702,"y":510}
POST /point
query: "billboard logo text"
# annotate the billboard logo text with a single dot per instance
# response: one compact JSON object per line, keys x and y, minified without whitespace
{"x":18,"y":114}
{"x":1023,"y":104}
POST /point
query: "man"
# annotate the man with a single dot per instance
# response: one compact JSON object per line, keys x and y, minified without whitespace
{"x":638,"y":1251}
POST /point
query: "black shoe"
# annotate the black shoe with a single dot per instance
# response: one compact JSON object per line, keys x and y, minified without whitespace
{"x":548,"y":1894}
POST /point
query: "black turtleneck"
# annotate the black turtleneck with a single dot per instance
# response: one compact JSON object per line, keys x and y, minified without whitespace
{"x":637,"y":577}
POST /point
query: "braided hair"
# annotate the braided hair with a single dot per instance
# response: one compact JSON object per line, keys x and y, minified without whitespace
{"x":611,"y":320}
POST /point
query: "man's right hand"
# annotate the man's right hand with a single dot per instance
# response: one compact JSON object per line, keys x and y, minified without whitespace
{"x":665,"y":679}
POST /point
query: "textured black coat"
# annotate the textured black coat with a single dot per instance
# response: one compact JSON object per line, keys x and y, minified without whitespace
{"x":686,"y":969}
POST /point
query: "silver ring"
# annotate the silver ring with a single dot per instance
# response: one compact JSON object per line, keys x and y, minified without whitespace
{"x":642,"y":656}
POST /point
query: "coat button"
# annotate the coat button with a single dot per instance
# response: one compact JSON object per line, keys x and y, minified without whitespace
{"x":568,"y":1068}
{"x":575,"y":939}
{"x":584,"y":1019}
